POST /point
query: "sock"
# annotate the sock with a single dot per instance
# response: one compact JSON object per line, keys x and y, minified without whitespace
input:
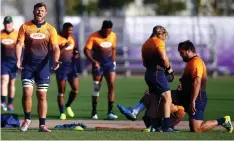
{"x":110,"y":106}
{"x":147,"y":121}
{"x":166,"y":123}
{"x":94,"y":106}
{"x":3,"y":99}
{"x":61,"y":108}
{"x":27,"y":115}
{"x":221,"y":121}
{"x":72,"y":96}
{"x":138,"y":108}
{"x":156,"y":122}
{"x":10,"y":100}
{"x":41,"y":121}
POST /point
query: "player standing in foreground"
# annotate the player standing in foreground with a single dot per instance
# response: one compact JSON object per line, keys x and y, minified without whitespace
{"x":8,"y":64}
{"x":67,"y":71}
{"x":37,"y":36}
{"x":103,"y":46}
{"x":157,"y":65}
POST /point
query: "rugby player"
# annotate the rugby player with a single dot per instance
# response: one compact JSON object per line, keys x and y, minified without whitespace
{"x":156,"y":62}
{"x":39,"y":38}
{"x":131,"y":113}
{"x":192,"y":95}
{"x":8,"y":64}
{"x":100,"y":49}
{"x":67,"y":71}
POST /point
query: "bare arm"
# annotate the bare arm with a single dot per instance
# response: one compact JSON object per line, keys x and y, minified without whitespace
{"x":195,"y":92}
{"x":164,"y":58}
{"x":76,"y":51}
{"x":87,"y":53}
{"x":19,"y":46}
{"x":196,"y":89}
{"x":56,"y":52}
{"x":114,"y":54}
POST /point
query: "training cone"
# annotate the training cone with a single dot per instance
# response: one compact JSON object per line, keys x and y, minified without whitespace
{"x":78,"y":128}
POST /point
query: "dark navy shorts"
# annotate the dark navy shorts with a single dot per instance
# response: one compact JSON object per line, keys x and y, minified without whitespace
{"x":183,"y":99}
{"x":9,"y":68}
{"x":40,"y":74}
{"x":66,"y":72}
{"x":200,"y":102}
{"x":156,"y":81}
{"x":104,"y":69}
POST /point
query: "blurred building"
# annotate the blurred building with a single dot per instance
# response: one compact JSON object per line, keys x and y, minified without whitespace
{"x":133,"y":23}
{"x":134,"y":8}
{"x":10,"y":7}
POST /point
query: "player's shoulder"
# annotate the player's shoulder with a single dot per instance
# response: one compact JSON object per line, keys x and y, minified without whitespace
{"x":197,"y":61}
{"x":49,"y":26}
{"x":113,"y":34}
{"x":59,"y":36}
{"x":3,"y":31}
{"x":73,"y":37}
{"x":28,"y":23}
{"x":94,"y":35}
{"x":147,"y":41}
{"x":15,"y":31}
{"x":158,"y":41}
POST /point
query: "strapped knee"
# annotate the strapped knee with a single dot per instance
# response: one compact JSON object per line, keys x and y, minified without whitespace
{"x":42,"y":87}
{"x":60,"y":94}
{"x":74,"y":91}
{"x":97,"y":85}
{"x":95,"y":93}
{"x":27,"y":83}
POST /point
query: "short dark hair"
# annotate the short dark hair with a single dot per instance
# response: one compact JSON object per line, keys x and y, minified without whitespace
{"x":67,"y":25}
{"x":40,"y":4}
{"x":186,"y":45}
{"x":107,"y":24}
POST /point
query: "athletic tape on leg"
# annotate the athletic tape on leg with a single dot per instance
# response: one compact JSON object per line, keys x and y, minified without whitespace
{"x":95,"y":93}
{"x":42,"y":87}
{"x":27,"y":83}
{"x":96,"y":85}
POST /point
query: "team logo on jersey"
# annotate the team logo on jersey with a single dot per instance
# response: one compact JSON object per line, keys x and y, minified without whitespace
{"x":106,"y":44}
{"x":70,"y":47}
{"x":7,"y":41}
{"x":37,"y":36}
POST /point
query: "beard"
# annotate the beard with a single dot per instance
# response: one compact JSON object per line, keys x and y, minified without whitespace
{"x":39,"y":18}
{"x":185,"y":59}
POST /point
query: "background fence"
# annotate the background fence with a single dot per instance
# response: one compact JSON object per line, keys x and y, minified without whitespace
{"x":212,"y":36}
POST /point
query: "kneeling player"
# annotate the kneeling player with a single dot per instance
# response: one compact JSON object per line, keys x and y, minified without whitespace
{"x":148,"y":102}
{"x":191,"y":93}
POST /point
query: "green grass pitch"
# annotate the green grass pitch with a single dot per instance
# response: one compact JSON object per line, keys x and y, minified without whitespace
{"x":220,"y":92}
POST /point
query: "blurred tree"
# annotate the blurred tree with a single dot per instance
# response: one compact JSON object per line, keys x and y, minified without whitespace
{"x":96,"y":7}
{"x":167,"y":7}
{"x":109,"y":4}
{"x":78,"y":7}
